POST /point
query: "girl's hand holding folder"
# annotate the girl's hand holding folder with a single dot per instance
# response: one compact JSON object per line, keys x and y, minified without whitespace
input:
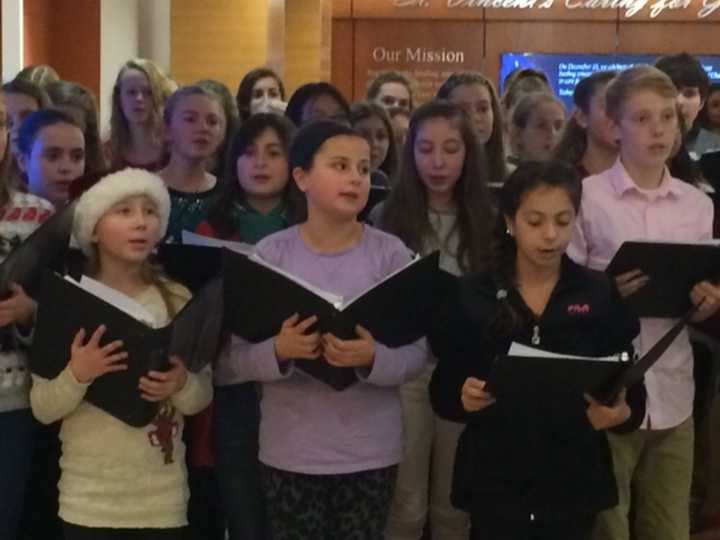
{"x":604,"y":417}
{"x":473,"y":395}
{"x":292,"y":341}
{"x":160,"y":385}
{"x":18,"y":308}
{"x":629,"y":283}
{"x":707,"y":296}
{"x":349,"y":352}
{"x":90,"y":361}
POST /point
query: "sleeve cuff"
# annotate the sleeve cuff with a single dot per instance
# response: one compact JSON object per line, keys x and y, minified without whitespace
{"x":243,"y":362}
{"x":26,"y":338}
{"x":196,"y":393}
{"x":70,"y":384}
{"x":377,"y":373}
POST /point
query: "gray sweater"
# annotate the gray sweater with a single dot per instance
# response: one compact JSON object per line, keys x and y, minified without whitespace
{"x":18,"y":219}
{"x":445,"y":237}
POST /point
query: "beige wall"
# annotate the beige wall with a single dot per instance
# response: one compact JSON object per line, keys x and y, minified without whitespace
{"x":118,"y":44}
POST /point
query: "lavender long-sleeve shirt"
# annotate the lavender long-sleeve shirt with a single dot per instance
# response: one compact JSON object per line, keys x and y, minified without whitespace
{"x":306,"y":426}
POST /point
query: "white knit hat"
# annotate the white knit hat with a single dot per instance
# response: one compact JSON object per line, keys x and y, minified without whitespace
{"x":110,"y":190}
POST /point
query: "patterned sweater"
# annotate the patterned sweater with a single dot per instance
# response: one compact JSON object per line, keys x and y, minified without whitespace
{"x":115,"y":475}
{"x":18,"y":219}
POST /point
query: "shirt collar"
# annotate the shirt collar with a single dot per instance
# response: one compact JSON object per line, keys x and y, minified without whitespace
{"x":622,"y":183}
{"x":279,"y":210}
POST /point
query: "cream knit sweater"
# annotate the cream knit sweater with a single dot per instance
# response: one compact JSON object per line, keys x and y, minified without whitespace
{"x":114,"y":475}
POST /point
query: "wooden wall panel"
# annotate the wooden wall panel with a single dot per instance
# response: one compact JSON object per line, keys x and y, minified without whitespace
{"x":676,"y":37}
{"x":75,"y":41}
{"x":429,"y":51}
{"x":343,"y":52}
{"x":342,"y":9}
{"x":307,"y":49}
{"x":325,"y":39}
{"x":544,"y":37}
{"x":219,"y":39}
{"x":37,"y":22}
{"x":66,"y":35}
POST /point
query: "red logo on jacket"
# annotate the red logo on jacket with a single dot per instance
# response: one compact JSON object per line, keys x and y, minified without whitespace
{"x":577,"y":309}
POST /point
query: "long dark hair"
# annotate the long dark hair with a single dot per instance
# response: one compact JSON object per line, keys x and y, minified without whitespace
{"x":703,"y":118}
{"x":311,"y":91}
{"x":573,"y":143}
{"x":680,"y":164}
{"x":231,"y":192}
{"x":71,"y":96}
{"x":245,"y":89}
{"x":307,"y":142}
{"x":405,"y":213}
{"x":527,"y":177}
{"x":362,"y":111}
{"x":495,"y":146}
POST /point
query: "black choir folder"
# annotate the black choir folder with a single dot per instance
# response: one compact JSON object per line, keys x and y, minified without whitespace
{"x":193,"y":334}
{"x":396,"y":311}
{"x":528,"y":371}
{"x":673,"y":269}
{"x":251,"y":299}
{"x":260,"y":297}
{"x":191,"y":265}
{"x":198,"y":259}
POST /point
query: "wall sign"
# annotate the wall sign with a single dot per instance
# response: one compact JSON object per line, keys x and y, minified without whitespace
{"x":654,"y":8}
{"x":427,"y":51}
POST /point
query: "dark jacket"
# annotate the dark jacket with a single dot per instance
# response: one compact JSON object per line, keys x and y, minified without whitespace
{"x":544,"y":459}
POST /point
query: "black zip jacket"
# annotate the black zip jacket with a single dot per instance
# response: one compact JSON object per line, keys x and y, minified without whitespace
{"x":546,"y":460}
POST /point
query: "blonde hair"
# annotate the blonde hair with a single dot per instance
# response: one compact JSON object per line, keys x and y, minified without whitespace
{"x":186,"y":91}
{"x":150,"y":273}
{"x":160,"y":87}
{"x":40,"y":74}
{"x":635,"y":79}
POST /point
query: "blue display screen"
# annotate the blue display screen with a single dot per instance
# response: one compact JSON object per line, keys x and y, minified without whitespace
{"x":564,"y":70}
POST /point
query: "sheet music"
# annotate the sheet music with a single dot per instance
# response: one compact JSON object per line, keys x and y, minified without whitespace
{"x":114,"y":297}
{"x":335,"y":299}
{"x":708,"y":242}
{"x":520,"y":350}
{"x":193,"y":239}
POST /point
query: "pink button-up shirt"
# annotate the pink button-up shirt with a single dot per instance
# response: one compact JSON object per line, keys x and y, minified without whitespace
{"x":615,"y":210}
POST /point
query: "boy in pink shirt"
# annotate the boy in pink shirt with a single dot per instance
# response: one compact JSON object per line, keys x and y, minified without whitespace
{"x":638,"y":199}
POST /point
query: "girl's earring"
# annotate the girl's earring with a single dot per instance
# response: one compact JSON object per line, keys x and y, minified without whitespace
{"x":508,"y":232}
